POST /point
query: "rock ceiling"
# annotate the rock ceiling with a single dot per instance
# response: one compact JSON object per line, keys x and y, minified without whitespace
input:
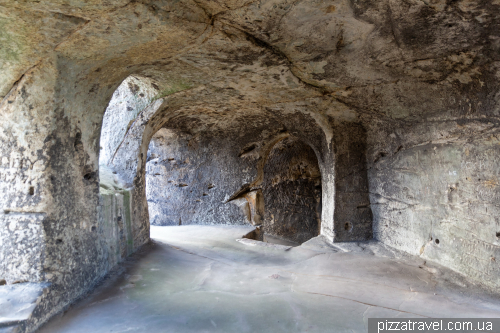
{"x":407,"y":60}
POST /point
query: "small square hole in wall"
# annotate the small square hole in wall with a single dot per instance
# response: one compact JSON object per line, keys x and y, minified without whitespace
{"x":31,"y":190}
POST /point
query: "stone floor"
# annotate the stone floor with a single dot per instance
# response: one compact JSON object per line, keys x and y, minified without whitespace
{"x":200,"y":279}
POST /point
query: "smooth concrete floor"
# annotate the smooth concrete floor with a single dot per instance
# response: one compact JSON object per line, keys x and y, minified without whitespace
{"x":200,"y":279}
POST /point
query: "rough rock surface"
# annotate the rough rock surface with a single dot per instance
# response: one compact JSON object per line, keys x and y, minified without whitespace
{"x":196,"y":173}
{"x":438,"y":199}
{"x":17,"y":303}
{"x":399,"y":99}
{"x":132,"y":96}
{"x":292,"y":192}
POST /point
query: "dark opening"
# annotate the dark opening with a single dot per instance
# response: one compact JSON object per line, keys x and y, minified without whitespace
{"x":88,"y":176}
{"x":247,"y":149}
{"x":292,"y":193}
{"x":78,"y":141}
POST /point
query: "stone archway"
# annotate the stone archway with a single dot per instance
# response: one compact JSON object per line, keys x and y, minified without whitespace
{"x":292,"y":192}
{"x":116,"y":190}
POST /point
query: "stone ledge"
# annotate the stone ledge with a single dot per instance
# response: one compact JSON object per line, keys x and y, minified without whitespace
{"x":17,"y":302}
{"x":252,"y":242}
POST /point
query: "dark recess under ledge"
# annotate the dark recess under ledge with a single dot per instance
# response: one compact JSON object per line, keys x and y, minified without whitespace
{"x":258,"y":235}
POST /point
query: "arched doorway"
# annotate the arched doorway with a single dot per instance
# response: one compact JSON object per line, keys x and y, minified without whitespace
{"x":292,"y":192}
{"x":118,"y":195}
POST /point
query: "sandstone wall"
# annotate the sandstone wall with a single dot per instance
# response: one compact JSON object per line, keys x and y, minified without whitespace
{"x":434,"y":192}
{"x":220,"y":171}
{"x":292,"y":192}
{"x":353,"y":214}
{"x":412,"y":85}
{"x":191,"y":177}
